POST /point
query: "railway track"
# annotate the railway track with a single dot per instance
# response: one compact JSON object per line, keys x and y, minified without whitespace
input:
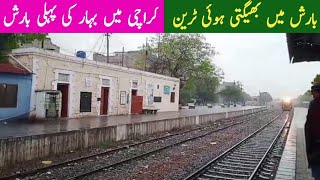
{"x":78,"y":175}
{"x":251,"y":158}
{"x":90,"y":172}
{"x":268,"y":168}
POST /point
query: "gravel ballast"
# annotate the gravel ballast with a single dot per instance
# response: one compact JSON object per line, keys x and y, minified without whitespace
{"x":179,"y":161}
{"x":227,"y":139}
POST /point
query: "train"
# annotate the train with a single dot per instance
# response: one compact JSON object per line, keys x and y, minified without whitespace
{"x":287,"y":104}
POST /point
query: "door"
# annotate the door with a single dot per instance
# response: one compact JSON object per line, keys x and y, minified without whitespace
{"x":52,"y":105}
{"x":104,"y":100}
{"x":64,"y":88}
{"x":137,"y":103}
{"x":133,"y":95}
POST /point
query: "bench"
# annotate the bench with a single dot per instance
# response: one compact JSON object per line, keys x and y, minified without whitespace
{"x":191,"y":106}
{"x":149,"y":110}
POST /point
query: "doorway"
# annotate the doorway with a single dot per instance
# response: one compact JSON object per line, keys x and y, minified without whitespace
{"x":134,"y":92}
{"x":64,"y":88}
{"x":104,"y":100}
{"x":52,"y":106}
{"x":137,"y":102}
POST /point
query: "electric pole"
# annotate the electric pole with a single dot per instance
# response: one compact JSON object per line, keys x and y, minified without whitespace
{"x":122,"y":55}
{"x":145,"y":64}
{"x":108,"y":34}
{"x":159,"y":47}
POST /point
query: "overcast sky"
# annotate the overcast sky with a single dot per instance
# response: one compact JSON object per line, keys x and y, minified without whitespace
{"x":259,"y":61}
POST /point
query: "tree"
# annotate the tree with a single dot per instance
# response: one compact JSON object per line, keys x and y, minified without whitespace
{"x":265,"y":97}
{"x":235,"y":93}
{"x":12,"y":41}
{"x":183,"y":56}
{"x":206,"y":81}
{"x":316,"y":80}
{"x":232,"y":93}
{"x":175,"y":55}
{"x":305,"y":97}
{"x":246,"y":97}
{"x":189,"y":91}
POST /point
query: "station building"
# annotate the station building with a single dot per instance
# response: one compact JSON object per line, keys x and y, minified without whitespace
{"x":70,"y":87}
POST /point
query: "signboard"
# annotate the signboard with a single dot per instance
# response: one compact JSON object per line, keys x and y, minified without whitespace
{"x":88,"y":82}
{"x":166,"y":90}
{"x":150,"y":94}
{"x":122,"y":98}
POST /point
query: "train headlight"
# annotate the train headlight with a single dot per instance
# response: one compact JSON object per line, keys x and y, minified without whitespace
{"x":287,"y":100}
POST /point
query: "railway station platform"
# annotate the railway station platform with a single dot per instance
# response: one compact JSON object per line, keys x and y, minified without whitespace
{"x":26,"y":141}
{"x":10,"y":129}
{"x":293,"y":164}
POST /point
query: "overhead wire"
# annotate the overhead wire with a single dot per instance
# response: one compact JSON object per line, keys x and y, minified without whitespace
{"x":101,"y":44}
{"x":94,"y":46}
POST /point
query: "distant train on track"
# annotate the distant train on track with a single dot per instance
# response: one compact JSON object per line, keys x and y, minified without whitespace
{"x":287,"y":104}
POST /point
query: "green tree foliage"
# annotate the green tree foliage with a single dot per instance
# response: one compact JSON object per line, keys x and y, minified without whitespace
{"x":235,"y":93}
{"x":265,"y":97}
{"x":316,"y":80}
{"x":189,"y":91}
{"x":12,"y":41}
{"x":232,"y":93}
{"x":183,"y":56}
{"x":206,"y":81}
{"x":246,"y":97}
{"x":305,"y":97}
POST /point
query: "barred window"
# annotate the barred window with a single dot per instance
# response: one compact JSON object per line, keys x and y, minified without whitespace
{"x":135,"y":84}
{"x":157,"y":99}
{"x":85,"y":101}
{"x":173,"y":95}
{"x":8,"y":95}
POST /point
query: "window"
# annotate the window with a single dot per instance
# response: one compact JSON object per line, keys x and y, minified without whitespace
{"x":122,"y":97}
{"x":157,"y":99}
{"x":172,"y":97}
{"x":8,"y":95}
{"x":134,"y":84}
{"x":85,"y":101}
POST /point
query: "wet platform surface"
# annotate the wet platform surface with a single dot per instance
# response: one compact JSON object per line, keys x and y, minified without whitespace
{"x":13,"y":129}
{"x":293,"y":163}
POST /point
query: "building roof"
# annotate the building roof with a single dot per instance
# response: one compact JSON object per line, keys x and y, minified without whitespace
{"x":136,"y":51}
{"x":73,"y":59}
{"x":303,"y":47}
{"x":9,"y":68}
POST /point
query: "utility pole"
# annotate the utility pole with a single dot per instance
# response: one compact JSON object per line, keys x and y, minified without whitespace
{"x":108,"y":34}
{"x":145,"y":64}
{"x":159,"y":47}
{"x":42,"y":44}
{"x":122,"y":56}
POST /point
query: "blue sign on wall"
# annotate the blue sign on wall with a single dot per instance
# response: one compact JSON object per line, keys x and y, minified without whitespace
{"x":166,"y":89}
